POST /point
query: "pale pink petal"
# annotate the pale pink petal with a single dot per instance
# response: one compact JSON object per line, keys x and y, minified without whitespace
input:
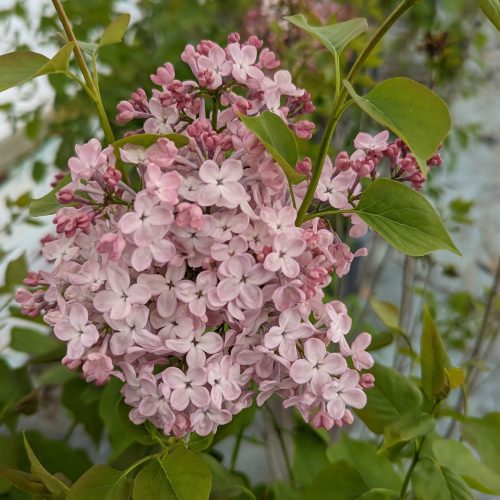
{"x":301,"y":371}
{"x":315,"y":350}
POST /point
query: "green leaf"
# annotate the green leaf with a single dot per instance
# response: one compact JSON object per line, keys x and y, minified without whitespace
{"x":22,"y":66}
{"x":484,"y":435}
{"x":278,"y":139}
{"x":53,"y":484}
{"x":387,"y":313}
{"x":392,"y":396}
{"x":456,"y":376}
{"x":101,"y":482}
{"x":334,"y":37}
{"x":340,"y":477}
{"x":147,"y":140}
{"x":428,"y":481}
{"x":187,"y":474}
{"x":48,"y":204}
{"x":404,"y":218}
{"x":15,"y":273}
{"x":460,"y":460}
{"x":379,"y":494}
{"x":407,"y":427}
{"x":151,"y":482}
{"x":309,"y":456}
{"x":410,"y":110}
{"x":433,"y":360}
{"x":8,"y":459}
{"x":380,"y":340}
{"x":31,"y":341}
{"x":375,"y":469}
{"x":200,"y":443}
{"x":122,"y":432}
{"x":457,"y":487}
{"x":23,"y":481}
{"x":226,"y":486}
{"x":491,"y":9}
{"x":115,"y":30}
{"x":15,"y":385}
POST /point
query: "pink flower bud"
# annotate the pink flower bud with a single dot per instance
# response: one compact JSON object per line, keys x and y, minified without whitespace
{"x":126,"y":112}
{"x":342,"y":161}
{"x":367,"y":381}
{"x":304,"y":166}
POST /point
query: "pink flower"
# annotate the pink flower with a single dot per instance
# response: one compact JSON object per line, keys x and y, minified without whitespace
{"x":243,"y":62}
{"x":187,"y":387}
{"x":280,"y":85}
{"x":361,"y":359}
{"x":195,"y":345}
{"x":119,"y":296}
{"x":112,"y":244}
{"x":196,"y":294}
{"x":159,"y":249}
{"x":279,"y":220}
{"x":164,"y":288}
{"x":368,"y":143}
{"x":221,"y":184}
{"x":286,"y":249}
{"x":97,"y":368}
{"x":146,"y":219}
{"x":318,"y":366}
{"x":223,"y":377}
{"x":163,"y":118}
{"x":215,"y":62}
{"x":77,"y":331}
{"x":162,"y":153}
{"x":338,"y":321}
{"x":240,"y":278}
{"x":206,"y":420}
{"x":344,"y":392}
{"x":285,"y":336}
{"x":89,"y":158}
{"x":164,"y":186}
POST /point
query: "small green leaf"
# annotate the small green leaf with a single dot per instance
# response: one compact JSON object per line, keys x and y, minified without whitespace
{"x":379,"y":494}
{"x":340,"y":478}
{"x":53,"y":484}
{"x":226,"y":486}
{"x":491,"y":9}
{"x":388,"y":313}
{"x":278,"y":139}
{"x":200,"y":443}
{"x":375,"y":469}
{"x":460,"y":460}
{"x":15,"y":273}
{"x":31,"y":341}
{"x":101,"y":482}
{"x":411,"y":110}
{"x":24,"y":481}
{"x":115,"y":30}
{"x":408,"y":426}
{"x":456,"y":376}
{"x":19,"y":67}
{"x":147,"y":140}
{"x":433,"y":360}
{"x":48,"y":204}
{"x":428,"y":481}
{"x":404,"y":218}
{"x":334,"y":37}
{"x":188,"y":475}
{"x":392,"y":396}
{"x":484,"y":435}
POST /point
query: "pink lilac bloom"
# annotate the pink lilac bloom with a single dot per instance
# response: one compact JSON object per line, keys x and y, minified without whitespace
{"x":194,"y":286}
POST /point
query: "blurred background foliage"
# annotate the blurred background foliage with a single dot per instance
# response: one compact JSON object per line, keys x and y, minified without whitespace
{"x":440,"y":43}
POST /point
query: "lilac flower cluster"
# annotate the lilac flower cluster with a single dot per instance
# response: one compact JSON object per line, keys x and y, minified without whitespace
{"x":193,"y":284}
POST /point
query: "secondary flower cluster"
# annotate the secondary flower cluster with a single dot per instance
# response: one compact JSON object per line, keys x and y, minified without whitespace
{"x":191,"y":282}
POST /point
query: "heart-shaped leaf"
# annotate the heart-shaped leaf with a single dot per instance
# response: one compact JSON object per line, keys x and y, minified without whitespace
{"x":22,"y":66}
{"x":404,"y":218}
{"x":115,"y":30}
{"x":411,"y":110}
{"x":278,"y":139}
{"x":334,"y":37}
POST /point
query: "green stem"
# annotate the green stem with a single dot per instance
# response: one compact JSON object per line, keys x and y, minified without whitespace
{"x":339,"y":108}
{"x":324,"y":213}
{"x":409,"y":472}
{"x":236,"y":450}
{"x":91,"y":89}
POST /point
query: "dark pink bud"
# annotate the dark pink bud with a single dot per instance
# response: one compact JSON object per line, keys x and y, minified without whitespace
{"x":304,"y":166}
{"x":126,"y":112}
{"x":233,"y":38}
{"x":367,"y":381}
{"x":342,"y":161}
{"x":303,"y":129}
{"x":65,"y":196}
